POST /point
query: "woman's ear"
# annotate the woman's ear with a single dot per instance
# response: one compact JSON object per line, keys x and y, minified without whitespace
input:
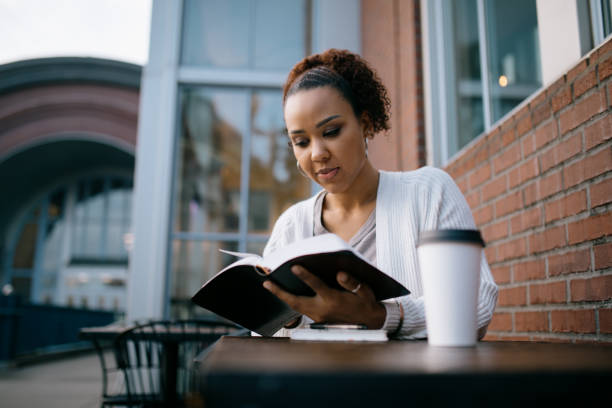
{"x":366,"y":125}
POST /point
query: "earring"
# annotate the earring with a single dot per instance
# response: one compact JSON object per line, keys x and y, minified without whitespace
{"x":366,"y":147}
{"x":297,"y":164}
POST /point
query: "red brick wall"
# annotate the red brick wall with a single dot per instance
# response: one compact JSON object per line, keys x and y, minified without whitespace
{"x":540,"y":188}
{"x":391,"y":42}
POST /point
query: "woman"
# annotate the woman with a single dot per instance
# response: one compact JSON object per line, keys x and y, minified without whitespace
{"x":333,"y":103}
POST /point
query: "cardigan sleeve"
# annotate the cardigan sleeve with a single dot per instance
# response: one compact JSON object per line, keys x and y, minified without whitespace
{"x":446,"y":208}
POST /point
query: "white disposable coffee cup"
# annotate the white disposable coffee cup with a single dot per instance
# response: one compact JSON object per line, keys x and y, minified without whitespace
{"x":449,"y":261}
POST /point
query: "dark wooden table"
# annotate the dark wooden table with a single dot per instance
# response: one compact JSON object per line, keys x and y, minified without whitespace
{"x":264,"y":372}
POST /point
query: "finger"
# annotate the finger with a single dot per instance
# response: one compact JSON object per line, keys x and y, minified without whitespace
{"x":283,"y":295}
{"x":353,"y":285}
{"x":311,"y":280}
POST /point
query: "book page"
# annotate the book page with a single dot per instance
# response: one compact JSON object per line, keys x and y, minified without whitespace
{"x":314,"y":245}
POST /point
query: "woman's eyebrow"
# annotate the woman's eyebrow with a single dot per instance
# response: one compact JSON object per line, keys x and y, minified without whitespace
{"x":324,"y":121}
{"x":321,"y":123}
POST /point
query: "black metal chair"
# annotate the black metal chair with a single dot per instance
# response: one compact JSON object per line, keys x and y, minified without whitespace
{"x":154,"y":363}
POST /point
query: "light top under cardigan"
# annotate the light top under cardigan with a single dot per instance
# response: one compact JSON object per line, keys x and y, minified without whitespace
{"x":406,"y":204}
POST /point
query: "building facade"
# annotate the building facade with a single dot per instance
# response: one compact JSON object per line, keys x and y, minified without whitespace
{"x":67,"y":142}
{"x":511,"y":98}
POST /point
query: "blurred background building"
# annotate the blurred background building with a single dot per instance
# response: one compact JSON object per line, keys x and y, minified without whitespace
{"x":482,"y":88}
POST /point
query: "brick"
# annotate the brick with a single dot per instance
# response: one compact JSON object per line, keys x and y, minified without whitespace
{"x":546,"y":240}
{"x":501,"y":322}
{"x":563,"y":207}
{"x":526,"y":219}
{"x":605,"y":321}
{"x":495,"y":231}
{"x":605,"y":69}
{"x":480,"y":175}
{"x":541,"y":113}
{"x":545,"y":134}
{"x":513,"y":296}
{"x":582,"y":111}
{"x":592,"y":289}
{"x":561,"y":152}
{"x":550,"y":184}
{"x":603,"y":255}
{"x":483,"y":215}
{"x":584,"y":83}
{"x":508,"y":158}
{"x":491,"y":253}
{"x":494,"y":188}
{"x":530,"y":270}
{"x":601,"y":193}
{"x":462,"y":183}
{"x":514,"y":177}
{"x":569,"y":262}
{"x":513,"y":249}
{"x":588,"y":167}
{"x":598,"y":132}
{"x":573,"y":321}
{"x":537,"y":99}
{"x":501,"y":274}
{"x":547,"y":293}
{"x":524,"y":172}
{"x":577,"y":70}
{"x":508,"y":137}
{"x":604,"y":49}
{"x":528,"y":144}
{"x":531,"y":321}
{"x":508,"y":204}
{"x":523,"y":125}
{"x":473,"y":199}
{"x":546,"y":339}
{"x":530,"y":193}
{"x":514,"y":337}
{"x":561,"y":99}
{"x":588,"y":229}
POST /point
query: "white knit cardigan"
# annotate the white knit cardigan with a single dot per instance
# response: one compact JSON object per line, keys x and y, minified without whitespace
{"x":406,"y":204}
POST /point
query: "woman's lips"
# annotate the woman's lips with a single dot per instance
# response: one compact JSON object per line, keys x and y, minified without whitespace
{"x":328,"y":174}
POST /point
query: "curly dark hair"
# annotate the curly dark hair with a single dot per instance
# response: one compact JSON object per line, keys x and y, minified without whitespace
{"x":349,"y":74}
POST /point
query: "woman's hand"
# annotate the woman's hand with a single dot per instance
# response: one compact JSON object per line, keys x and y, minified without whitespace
{"x":356,"y":305}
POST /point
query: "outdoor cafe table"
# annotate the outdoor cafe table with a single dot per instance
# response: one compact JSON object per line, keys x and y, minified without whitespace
{"x":268,"y":372}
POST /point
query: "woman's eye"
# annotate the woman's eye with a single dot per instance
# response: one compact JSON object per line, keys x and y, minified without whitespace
{"x":331,"y":132}
{"x":300,"y":142}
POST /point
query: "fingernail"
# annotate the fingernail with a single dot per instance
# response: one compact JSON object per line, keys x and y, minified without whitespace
{"x":343,"y":276}
{"x":267,"y":285}
{"x":296,"y":270}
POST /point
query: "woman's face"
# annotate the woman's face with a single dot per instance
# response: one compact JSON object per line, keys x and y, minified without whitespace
{"x":327,"y":138}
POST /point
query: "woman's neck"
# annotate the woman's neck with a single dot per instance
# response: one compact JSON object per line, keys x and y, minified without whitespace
{"x":362,"y":193}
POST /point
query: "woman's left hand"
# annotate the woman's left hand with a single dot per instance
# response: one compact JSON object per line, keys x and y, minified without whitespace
{"x":356,"y":305}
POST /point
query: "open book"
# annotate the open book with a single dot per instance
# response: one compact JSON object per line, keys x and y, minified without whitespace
{"x":236,"y":293}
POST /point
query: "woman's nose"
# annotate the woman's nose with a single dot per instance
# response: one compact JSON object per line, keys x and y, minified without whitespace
{"x":319,"y":151}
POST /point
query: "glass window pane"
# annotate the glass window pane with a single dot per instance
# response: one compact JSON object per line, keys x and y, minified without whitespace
{"x":52,"y":253}
{"x":193,"y":263}
{"x":255,"y":247}
{"x":606,"y":11}
{"x":274,"y":180}
{"x":256,"y":34}
{"x":117,"y":195}
{"x":280,"y":33}
{"x":513,"y":52}
{"x":216,"y":33}
{"x":213,"y":124}
{"x":467,"y":81}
